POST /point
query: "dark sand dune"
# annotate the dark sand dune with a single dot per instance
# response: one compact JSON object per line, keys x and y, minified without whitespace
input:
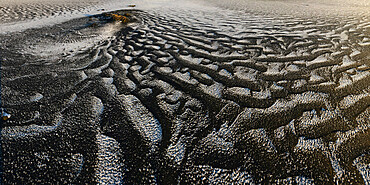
{"x":189,"y":95}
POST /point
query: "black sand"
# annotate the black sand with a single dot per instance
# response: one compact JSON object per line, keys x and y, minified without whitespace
{"x":188,"y":97}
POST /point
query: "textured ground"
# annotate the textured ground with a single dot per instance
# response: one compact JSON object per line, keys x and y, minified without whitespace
{"x":189,"y":94}
{"x":22,"y":10}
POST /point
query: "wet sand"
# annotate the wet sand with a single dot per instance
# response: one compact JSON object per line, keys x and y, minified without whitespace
{"x":254,"y":92}
{"x":19,"y":10}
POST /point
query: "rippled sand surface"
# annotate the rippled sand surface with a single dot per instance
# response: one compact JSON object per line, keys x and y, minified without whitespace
{"x":190,"y":92}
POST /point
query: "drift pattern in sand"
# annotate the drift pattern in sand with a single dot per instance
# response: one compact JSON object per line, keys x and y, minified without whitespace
{"x":204,"y":96}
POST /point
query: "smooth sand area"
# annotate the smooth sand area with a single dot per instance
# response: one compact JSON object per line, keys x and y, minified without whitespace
{"x":11,"y":11}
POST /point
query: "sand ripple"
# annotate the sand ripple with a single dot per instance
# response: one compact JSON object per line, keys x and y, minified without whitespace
{"x":197,"y":96}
